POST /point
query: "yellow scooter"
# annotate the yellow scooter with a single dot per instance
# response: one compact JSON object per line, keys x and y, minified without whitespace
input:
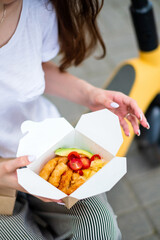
{"x":140,"y":79}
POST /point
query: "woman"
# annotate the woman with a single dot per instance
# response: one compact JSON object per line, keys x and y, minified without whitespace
{"x":32,"y":32}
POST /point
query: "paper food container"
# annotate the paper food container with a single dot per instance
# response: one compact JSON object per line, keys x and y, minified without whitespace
{"x":7,"y":198}
{"x":7,"y":201}
{"x":97,"y":132}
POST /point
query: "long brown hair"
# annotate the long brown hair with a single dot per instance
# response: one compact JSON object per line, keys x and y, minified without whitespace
{"x":79,"y":34}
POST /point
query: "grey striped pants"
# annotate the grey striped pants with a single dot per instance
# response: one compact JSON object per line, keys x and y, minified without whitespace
{"x":88,"y":219}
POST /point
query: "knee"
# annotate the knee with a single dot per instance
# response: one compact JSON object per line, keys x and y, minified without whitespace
{"x":94,"y":221}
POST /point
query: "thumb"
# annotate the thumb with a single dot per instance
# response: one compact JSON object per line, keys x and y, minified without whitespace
{"x":19,"y":162}
{"x":108,"y":103}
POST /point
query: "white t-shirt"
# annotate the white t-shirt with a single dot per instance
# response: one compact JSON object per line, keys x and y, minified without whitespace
{"x":21,"y":75}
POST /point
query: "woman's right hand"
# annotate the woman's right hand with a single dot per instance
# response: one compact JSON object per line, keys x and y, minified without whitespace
{"x":8,"y":175}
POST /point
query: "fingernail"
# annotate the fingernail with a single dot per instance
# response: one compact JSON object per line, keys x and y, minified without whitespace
{"x":31,"y":158}
{"x":148,"y":126}
{"x":114,"y":105}
{"x":138,"y":133}
{"x":140,"y":117}
{"x":60,"y":203}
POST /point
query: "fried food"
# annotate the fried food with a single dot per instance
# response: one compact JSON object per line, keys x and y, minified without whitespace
{"x":62,"y":159}
{"x":75,"y":177}
{"x":68,"y":173}
{"x":76,"y":185}
{"x":48,"y":168}
{"x":97,"y":164}
{"x":87,"y":173}
{"x":57,"y":173}
{"x":65,"y":180}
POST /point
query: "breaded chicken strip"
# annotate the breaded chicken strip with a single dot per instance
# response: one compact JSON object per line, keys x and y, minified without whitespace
{"x":48,"y":168}
{"x":63,"y":159}
{"x":76,"y":185}
{"x":75,"y":177}
{"x":57,"y":173}
{"x":65,"y":180}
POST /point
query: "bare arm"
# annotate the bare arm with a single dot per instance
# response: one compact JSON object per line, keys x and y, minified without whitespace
{"x":74,"y":89}
{"x":66,"y":85}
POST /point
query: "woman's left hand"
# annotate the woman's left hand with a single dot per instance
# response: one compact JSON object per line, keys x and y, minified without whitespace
{"x":81,"y":92}
{"x":123,"y":106}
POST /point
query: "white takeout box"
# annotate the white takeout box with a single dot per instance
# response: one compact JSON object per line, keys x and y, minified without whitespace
{"x":98,"y":132}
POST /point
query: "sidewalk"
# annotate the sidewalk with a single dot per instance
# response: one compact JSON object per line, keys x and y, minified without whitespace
{"x":136,"y":198}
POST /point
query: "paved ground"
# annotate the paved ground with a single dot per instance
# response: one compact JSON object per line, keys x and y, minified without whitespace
{"x":136,"y":198}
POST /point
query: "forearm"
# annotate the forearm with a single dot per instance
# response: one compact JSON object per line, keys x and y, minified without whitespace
{"x":66,"y":85}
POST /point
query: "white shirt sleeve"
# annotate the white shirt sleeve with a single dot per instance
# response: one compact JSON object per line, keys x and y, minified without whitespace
{"x":50,"y":45}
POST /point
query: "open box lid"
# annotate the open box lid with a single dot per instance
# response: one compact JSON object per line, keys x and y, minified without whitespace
{"x":103,"y":128}
{"x":40,"y":136}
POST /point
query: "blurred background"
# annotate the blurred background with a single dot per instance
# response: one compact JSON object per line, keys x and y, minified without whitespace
{"x":136,"y":198}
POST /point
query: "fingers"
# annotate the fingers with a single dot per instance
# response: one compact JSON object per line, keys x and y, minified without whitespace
{"x":121,"y":104}
{"x":12,"y":165}
{"x":134,"y":109}
{"x":125,"y":127}
{"x":143,"y":121}
{"x":130,"y":108}
{"x":128,"y":105}
{"x":49,"y":200}
{"x":134,"y":122}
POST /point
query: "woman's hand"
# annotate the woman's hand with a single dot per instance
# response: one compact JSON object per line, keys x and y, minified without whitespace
{"x":123,"y":106}
{"x":8,"y":174}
